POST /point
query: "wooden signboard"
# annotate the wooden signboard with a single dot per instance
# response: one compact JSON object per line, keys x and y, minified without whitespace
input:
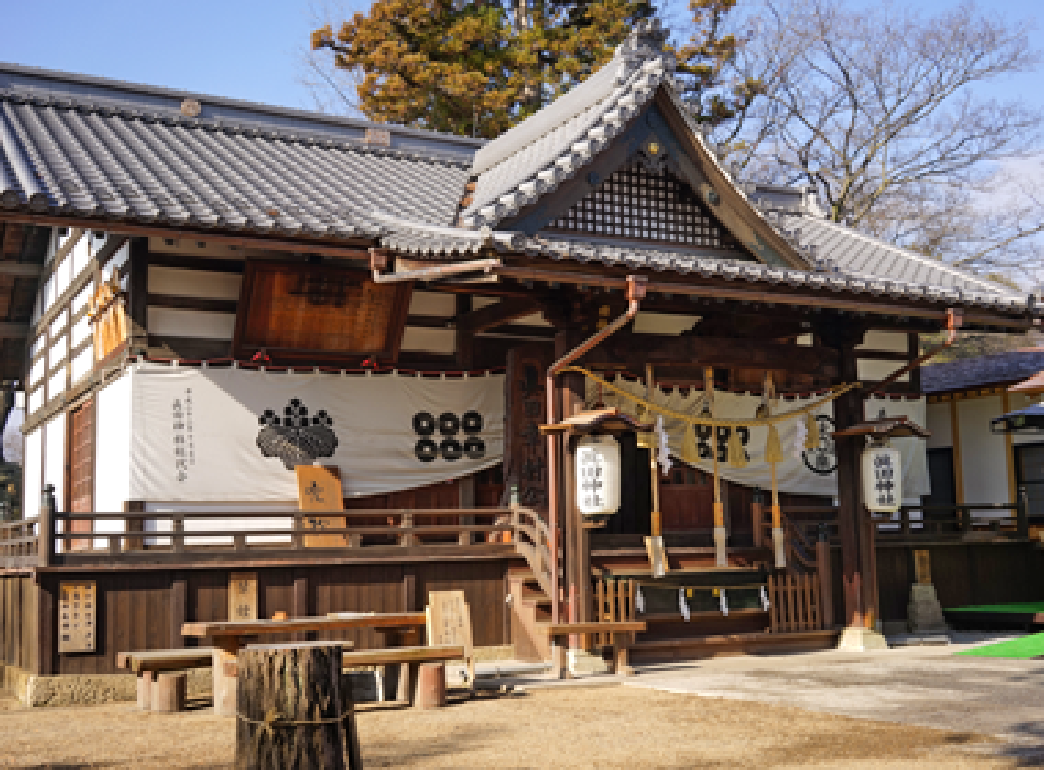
{"x":108,"y":317}
{"x":922,"y":568}
{"x":76,"y":616}
{"x":242,"y":596}
{"x":319,"y":490}
{"x":449,"y":622}
{"x":310,"y":312}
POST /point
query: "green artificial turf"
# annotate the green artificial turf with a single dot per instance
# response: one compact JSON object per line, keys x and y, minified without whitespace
{"x":1031,"y":646}
{"x":1027,"y":607}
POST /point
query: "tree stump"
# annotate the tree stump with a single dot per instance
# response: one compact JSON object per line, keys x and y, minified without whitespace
{"x":168,"y":692}
{"x":293,"y":711}
{"x":431,"y":686}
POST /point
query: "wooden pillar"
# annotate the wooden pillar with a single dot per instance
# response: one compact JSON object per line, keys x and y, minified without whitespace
{"x":570,"y":399}
{"x":46,"y":619}
{"x":178,"y":604}
{"x":465,"y":340}
{"x":299,"y":604}
{"x":857,"y":548}
{"x":138,"y":299}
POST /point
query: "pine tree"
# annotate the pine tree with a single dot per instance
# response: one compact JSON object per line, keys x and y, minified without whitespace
{"x":702,"y":64}
{"x":474,"y":68}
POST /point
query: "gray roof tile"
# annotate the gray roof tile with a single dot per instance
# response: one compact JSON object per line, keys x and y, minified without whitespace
{"x":74,"y":157}
{"x":990,"y":369}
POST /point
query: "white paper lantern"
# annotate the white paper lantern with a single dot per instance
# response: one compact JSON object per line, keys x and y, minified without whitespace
{"x":597,"y":475}
{"x":882,"y":479}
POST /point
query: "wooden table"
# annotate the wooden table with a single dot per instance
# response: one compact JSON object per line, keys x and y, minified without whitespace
{"x":229,"y":638}
{"x":620,"y":632}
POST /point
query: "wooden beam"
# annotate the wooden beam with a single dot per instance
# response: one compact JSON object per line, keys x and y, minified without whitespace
{"x":354,"y":248}
{"x":9,"y":330}
{"x":777,"y":296}
{"x":1009,"y":449}
{"x":637,"y":350}
{"x":505,"y":311}
{"x":25,"y":269}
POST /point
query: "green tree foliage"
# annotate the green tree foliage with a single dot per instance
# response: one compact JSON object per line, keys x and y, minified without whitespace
{"x":473,"y":68}
{"x":715,"y":95}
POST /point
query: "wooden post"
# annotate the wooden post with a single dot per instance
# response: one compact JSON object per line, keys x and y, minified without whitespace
{"x":45,"y":532}
{"x":1022,"y":513}
{"x":431,"y":686}
{"x":168,"y":692}
{"x":823,"y":569}
{"x":146,"y":680}
{"x":224,"y":672}
{"x":178,"y":603}
{"x":299,"y":604}
{"x":757,"y":517}
{"x":293,"y":710}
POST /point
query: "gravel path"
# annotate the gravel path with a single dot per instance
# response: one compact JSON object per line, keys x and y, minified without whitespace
{"x":608,"y":726}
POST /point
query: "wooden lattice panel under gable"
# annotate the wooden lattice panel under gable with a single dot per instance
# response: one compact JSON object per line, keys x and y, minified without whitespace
{"x":638,"y":204}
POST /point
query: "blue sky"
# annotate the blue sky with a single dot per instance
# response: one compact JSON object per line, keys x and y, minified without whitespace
{"x":250,"y":50}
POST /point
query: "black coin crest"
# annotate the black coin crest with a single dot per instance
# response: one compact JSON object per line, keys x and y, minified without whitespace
{"x":294,"y":436}
{"x":438,"y":437}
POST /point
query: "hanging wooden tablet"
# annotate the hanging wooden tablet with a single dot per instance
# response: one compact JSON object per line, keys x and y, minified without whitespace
{"x":77,"y":606}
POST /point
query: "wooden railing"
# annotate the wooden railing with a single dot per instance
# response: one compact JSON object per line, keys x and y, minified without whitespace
{"x":938,"y":522}
{"x":795,"y":603}
{"x":614,"y":602}
{"x":18,"y":541}
{"x":532,"y":539}
{"x":205,"y":536}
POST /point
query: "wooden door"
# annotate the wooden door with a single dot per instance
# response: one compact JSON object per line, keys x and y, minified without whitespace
{"x":686,"y":500}
{"x":81,"y":468}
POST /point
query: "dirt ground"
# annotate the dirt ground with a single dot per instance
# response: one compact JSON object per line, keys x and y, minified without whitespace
{"x":608,"y":726}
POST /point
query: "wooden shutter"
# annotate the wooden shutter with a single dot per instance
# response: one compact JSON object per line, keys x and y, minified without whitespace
{"x":81,"y":459}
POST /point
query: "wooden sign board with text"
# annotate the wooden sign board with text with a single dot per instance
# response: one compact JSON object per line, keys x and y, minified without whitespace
{"x":449,"y":622}
{"x":77,"y":605}
{"x":242,"y":596}
{"x":319,"y":490}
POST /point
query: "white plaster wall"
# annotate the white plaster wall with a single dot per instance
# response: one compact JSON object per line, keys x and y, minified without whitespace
{"x":872,"y":370}
{"x":32,"y":474}
{"x":194,"y":283}
{"x":113,"y":442}
{"x":430,"y":340}
{"x":54,"y":457}
{"x":892,"y":341}
{"x":983,"y":454}
{"x":432,"y":303}
{"x":191,"y":323}
{"x":938,"y":422}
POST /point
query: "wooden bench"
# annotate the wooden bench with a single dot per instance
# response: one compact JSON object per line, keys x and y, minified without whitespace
{"x":149,"y":663}
{"x":621,"y":635}
{"x":411,"y":657}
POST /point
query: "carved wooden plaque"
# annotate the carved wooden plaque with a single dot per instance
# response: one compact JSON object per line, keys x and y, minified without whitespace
{"x":77,"y":606}
{"x":525,"y":450}
{"x":108,"y":317}
{"x":319,"y":489}
{"x":242,"y":596}
{"x":319,"y":311}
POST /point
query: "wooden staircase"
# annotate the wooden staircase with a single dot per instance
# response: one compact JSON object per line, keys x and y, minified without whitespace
{"x":530,"y":588}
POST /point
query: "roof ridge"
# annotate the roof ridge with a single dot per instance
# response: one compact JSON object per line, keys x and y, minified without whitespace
{"x":227,"y":125}
{"x":225,"y":101}
{"x":938,"y":264}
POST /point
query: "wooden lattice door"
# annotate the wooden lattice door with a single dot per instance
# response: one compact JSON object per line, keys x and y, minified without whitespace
{"x":81,"y":468}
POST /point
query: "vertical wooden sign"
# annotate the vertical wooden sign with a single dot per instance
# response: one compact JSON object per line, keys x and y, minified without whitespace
{"x":449,"y":622}
{"x":76,"y":616}
{"x":319,"y":489}
{"x":922,"y":568}
{"x":242,"y":596}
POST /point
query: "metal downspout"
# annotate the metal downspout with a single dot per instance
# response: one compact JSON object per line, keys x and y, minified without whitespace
{"x":635,"y":293}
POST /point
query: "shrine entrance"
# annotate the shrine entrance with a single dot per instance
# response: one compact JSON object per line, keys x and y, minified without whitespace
{"x":686,"y":501}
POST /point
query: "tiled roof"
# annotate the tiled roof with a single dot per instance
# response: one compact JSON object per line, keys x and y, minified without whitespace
{"x":992,"y":369}
{"x":537,"y":155}
{"x":95,"y":154}
{"x":446,"y":242}
{"x":859,"y":255}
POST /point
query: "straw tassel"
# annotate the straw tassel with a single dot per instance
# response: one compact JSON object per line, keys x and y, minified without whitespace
{"x":737,"y":457}
{"x":689,"y":449}
{"x":773,"y":448}
{"x":812,"y":431}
